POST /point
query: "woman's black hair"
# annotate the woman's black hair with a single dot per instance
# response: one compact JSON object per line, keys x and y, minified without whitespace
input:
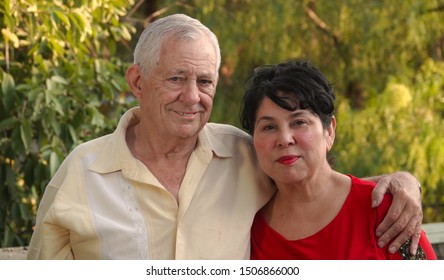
{"x":291,"y":85}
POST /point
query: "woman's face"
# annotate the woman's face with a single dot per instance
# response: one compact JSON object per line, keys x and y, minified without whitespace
{"x":291,"y":146}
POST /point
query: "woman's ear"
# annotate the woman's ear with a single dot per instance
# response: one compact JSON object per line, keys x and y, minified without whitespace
{"x":134,"y":79}
{"x":331,"y":133}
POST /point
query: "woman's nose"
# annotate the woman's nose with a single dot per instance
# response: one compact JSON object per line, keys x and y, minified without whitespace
{"x":285,"y":139}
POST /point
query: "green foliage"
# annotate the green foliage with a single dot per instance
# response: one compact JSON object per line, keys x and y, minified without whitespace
{"x":251,"y":33}
{"x":384,"y":58}
{"x":357,"y":43}
{"x":399,"y":129}
{"x":61,"y":84}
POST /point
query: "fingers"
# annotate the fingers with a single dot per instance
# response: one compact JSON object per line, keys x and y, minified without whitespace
{"x":393,"y":223}
{"x":415,"y":239}
{"x":406,"y":233}
{"x":406,"y":226}
{"x":404,"y":218}
{"x":379,"y":191}
{"x":392,"y":227}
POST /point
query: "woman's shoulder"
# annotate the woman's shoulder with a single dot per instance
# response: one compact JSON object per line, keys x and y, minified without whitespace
{"x":356,"y":181}
{"x":362,"y":193}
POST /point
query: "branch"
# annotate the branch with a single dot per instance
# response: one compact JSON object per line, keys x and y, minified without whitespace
{"x":343,"y":51}
{"x":135,"y":8}
{"x":432,"y":10}
{"x":154,"y":15}
{"x":322,"y":25}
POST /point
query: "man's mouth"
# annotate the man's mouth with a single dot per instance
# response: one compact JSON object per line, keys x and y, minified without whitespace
{"x":185,"y":114}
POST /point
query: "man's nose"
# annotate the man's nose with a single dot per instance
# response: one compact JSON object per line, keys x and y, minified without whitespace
{"x":190,"y":94}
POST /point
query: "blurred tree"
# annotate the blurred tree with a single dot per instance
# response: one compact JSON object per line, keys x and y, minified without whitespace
{"x":62,"y":73}
{"x":358,"y":43}
{"x":400,"y":129}
{"x":384,"y":57}
{"x":61,"y":84}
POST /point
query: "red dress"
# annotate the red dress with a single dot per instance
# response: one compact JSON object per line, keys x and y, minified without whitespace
{"x":349,"y":236}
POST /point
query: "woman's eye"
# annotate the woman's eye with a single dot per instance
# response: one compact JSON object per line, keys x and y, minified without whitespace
{"x":299,"y":122}
{"x":268,"y":127}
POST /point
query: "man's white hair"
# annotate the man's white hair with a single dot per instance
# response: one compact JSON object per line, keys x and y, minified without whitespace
{"x":146,"y":53}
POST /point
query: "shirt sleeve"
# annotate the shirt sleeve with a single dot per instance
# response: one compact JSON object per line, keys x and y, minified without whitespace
{"x":48,"y":241}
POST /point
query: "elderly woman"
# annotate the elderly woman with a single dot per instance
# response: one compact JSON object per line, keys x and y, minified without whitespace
{"x":317,"y":212}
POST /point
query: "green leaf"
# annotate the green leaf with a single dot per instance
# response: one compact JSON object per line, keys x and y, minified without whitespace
{"x":63,"y":18}
{"x":25,"y":212}
{"x":57,"y":46}
{"x":26,"y":135}
{"x":10,"y":179}
{"x":73,"y":134}
{"x":58,"y":106}
{"x":59,"y":79}
{"x":10,"y":37}
{"x":82,"y":21}
{"x":97,"y":118}
{"x":8,"y":89}
{"x":54,"y":163}
{"x":8,"y":123}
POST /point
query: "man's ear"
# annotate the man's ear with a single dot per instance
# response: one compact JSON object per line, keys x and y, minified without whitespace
{"x":134,"y":79}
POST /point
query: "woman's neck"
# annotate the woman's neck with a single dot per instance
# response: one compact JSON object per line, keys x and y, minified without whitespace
{"x":308,"y":206}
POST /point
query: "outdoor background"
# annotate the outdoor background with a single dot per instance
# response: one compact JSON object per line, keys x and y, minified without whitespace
{"x":62,"y":65}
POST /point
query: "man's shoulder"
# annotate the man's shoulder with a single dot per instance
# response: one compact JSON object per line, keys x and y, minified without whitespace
{"x":91,"y":146}
{"x":226,"y":129}
{"x":86,"y":152}
{"x":225,"y":140}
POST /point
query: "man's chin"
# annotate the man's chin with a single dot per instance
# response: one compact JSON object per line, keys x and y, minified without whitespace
{"x":188,"y":131}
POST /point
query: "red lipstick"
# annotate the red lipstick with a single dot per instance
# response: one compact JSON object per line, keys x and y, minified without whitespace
{"x":287,"y":160}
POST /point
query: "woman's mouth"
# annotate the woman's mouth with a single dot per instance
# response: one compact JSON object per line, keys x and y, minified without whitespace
{"x":287,"y":160}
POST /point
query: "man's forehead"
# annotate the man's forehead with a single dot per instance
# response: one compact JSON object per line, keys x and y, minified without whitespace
{"x":188,"y":70}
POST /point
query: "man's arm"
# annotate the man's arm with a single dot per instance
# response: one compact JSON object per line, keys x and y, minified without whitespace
{"x":404,"y":218}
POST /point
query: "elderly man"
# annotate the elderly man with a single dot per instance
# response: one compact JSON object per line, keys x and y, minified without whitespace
{"x":167,"y":184}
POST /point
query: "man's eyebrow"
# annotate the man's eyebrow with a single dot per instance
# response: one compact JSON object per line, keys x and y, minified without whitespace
{"x":180,"y":71}
{"x":176,"y":71}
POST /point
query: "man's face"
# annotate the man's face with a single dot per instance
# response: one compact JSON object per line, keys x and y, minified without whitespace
{"x":177,"y":96}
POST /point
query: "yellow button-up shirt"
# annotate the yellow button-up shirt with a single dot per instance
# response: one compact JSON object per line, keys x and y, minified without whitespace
{"x":105,"y":204}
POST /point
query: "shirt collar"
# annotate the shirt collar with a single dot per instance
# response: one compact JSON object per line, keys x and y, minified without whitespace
{"x":115,"y":154}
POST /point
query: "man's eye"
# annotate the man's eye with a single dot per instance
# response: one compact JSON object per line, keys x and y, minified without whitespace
{"x":175,"y":79}
{"x":205,"y":82}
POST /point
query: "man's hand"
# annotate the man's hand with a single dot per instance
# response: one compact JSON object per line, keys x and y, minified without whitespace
{"x":404,"y":217}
